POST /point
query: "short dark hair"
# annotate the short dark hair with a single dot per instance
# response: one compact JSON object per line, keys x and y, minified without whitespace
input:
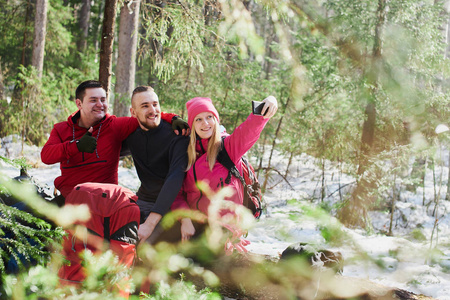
{"x":141,"y":89}
{"x":88,"y":84}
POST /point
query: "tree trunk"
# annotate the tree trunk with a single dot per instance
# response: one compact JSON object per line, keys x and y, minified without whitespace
{"x":40,"y":24}
{"x":446,"y":55}
{"x":340,"y":180}
{"x":156,"y":50}
{"x":271,"y":37}
{"x":394,"y":199}
{"x":25,"y":33}
{"x":96,"y":29}
{"x":126,"y":62}
{"x":447,"y":38}
{"x":156,"y":47}
{"x":106,"y":47}
{"x":434,"y":182}
{"x":83,"y":21}
{"x":423,"y":181}
{"x":262,"y":155}
{"x":291,"y":156}
{"x":368,"y":134}
{"x":211,"y":12}
{"x":355,"y":213}
{"x":447,"y":195}
{"x":2,"y":86}
{"x":322,"y":188}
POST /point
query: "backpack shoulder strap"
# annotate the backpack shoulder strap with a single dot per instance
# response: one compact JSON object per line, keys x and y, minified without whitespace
{"x":195,"y":178}
{"x":224,"y":159}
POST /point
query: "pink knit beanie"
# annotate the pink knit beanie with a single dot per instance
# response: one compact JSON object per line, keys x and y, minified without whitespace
{"x":198,"y":105}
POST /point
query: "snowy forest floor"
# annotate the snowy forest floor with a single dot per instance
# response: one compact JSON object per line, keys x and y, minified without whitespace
{"x":405,"y":260}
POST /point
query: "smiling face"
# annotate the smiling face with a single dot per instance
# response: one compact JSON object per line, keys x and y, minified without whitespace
{"x":93,"y":107}
{"x":145,"y":108}
{"x":204,"y":124}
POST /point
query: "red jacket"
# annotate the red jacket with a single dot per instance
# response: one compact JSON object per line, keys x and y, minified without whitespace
{"x":80,"y":167}
{"x":236,"y":144}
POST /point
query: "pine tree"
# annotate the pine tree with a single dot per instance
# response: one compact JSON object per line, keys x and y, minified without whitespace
{"x":25,"y":238}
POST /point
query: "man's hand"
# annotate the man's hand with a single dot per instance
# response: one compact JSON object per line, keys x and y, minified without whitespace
{"x":146,"y":228}
{"x":180,"y":126}
{"x":187,"y":229}
{"x":270,"y":107}
{"x":87,"y":143}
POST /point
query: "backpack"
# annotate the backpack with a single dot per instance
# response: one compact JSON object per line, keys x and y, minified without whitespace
{"x":252,"y":188}
{"x":114,"y":219}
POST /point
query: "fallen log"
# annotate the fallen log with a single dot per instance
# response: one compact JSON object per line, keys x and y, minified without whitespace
{"x":260,"y":277}
{"x":301,"y":272}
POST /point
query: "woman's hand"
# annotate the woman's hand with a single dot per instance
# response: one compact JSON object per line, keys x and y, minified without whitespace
{"x":187,"y":229}
{"x":270,"y":107}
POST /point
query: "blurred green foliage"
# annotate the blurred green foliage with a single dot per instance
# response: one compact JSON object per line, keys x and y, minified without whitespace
{"x":317,"y":58}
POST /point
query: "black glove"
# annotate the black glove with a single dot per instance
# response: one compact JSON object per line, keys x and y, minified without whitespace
{"x":87,"y":143}
{"x":179,"y":124}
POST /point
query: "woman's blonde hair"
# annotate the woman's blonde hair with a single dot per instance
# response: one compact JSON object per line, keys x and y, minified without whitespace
{"x":214,"y":145}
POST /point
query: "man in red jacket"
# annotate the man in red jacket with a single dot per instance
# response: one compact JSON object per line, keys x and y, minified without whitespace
{"x":88,"y":144}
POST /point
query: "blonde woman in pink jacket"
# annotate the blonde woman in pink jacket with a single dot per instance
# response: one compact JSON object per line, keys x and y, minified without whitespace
{"x":205,"y":144}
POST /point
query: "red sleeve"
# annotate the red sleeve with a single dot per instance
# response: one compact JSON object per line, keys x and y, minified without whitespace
{"x":167,"y":117}
{"x":124,"y":126}
{"x":57,"y":150}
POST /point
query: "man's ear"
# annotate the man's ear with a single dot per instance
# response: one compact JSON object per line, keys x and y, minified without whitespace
{"x":132,"y":112}
{"x":78,"y":103}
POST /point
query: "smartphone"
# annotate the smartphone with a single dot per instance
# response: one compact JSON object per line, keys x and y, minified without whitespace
{"x":257,"y":107}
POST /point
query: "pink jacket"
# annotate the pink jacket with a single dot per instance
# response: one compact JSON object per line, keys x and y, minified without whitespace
{"x":236,"y":144}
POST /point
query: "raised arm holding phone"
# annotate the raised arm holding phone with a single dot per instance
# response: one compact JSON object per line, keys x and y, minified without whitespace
{"x":205,"y":144}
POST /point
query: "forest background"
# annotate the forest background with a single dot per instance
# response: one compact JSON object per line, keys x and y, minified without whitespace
{"x":360,"y":84}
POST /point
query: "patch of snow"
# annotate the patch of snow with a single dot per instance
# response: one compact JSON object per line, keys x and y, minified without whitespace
{"x":400,"y":260}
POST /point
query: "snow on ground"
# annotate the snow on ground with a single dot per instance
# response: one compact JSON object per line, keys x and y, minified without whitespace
{"x":407,"y":260}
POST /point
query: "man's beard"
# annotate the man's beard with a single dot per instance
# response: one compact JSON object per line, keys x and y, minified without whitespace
{"x":153,"y":125}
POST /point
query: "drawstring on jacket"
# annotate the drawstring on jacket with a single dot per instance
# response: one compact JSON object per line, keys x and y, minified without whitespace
{"x":98,"y":133}
{"x":195,"y":175}
{"x":73,"y":137}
